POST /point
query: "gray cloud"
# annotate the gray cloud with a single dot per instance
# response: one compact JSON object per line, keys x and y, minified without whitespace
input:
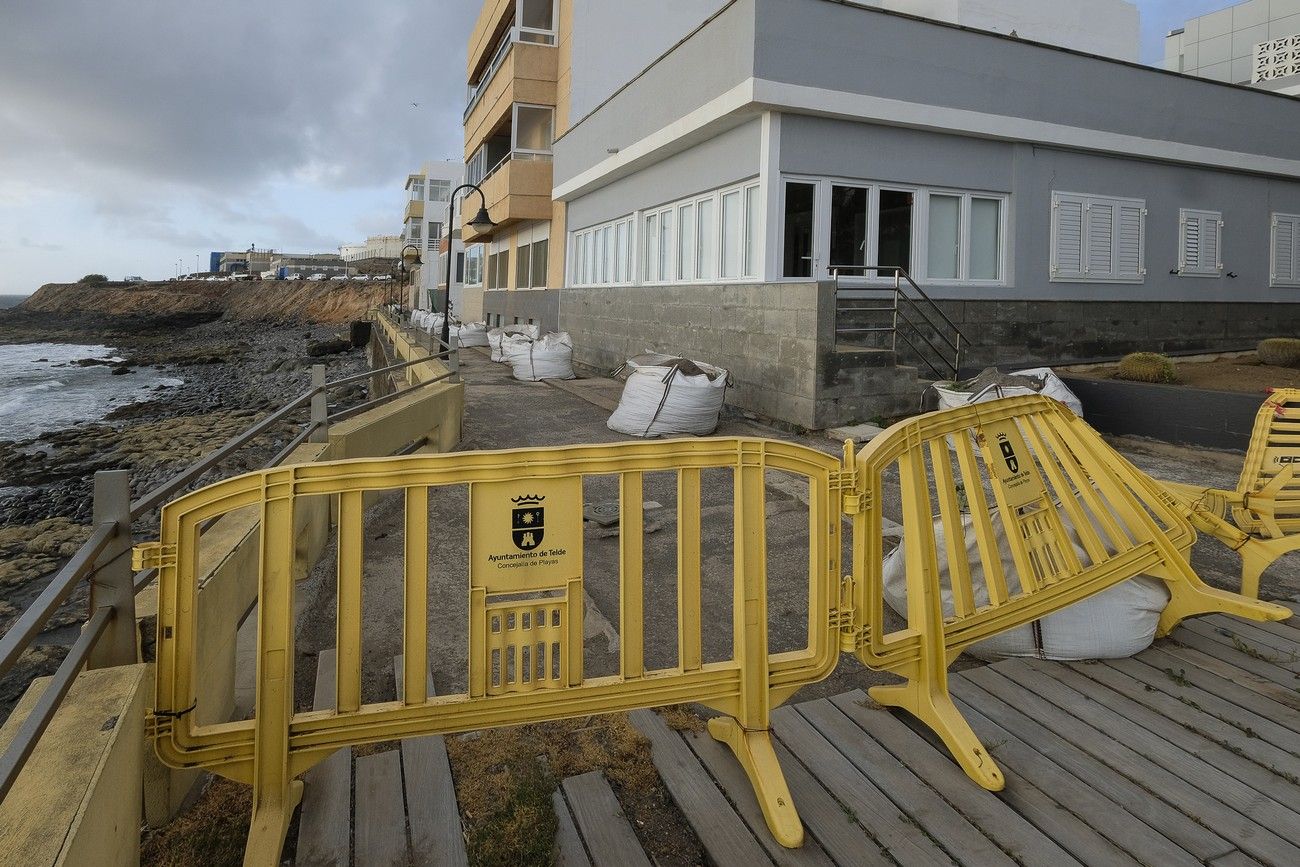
{"x":223,"y":97}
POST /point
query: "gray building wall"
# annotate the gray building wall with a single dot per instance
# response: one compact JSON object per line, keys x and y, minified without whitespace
{"x":729,"y":157}
{"x":540,"y":306}
{"x":822,"y":146}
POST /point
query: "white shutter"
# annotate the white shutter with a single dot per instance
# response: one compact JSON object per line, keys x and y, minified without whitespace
{"x":1067,"y":236}
{"x":1129,"y":246}
{"x":1286,"y":250}
{"x":1200,"y":246}
{"x":1098,"y":239}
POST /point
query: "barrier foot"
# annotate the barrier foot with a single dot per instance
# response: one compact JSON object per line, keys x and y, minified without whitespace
{"x":267,"y":831}
{"x":754,"y":751}
{"x":1193,"y":597}
{"x":935,"y":708}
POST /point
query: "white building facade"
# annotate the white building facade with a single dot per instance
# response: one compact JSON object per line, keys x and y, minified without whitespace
{"x":1255,"y":43}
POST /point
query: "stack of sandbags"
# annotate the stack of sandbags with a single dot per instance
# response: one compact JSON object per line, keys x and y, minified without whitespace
{"x":548,"y":357}
{"x":473,"y":334}
{"x":992,"y":384}
{"x":666,"y":396}
{"x":497,"y":337}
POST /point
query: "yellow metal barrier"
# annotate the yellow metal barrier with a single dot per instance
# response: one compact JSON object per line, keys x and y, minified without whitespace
{"x":1077,"y":519}
{"x":1260,"y":520}
{"x":526,"y":602}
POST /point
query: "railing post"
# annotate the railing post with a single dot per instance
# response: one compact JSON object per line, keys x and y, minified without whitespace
{"x":320,"y":406}
{"x":453,"y":360}
{"x":112,"y":584}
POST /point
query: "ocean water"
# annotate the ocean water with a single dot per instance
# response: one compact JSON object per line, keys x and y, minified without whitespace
{"x":11,"y":300}
{"x":42,"y":390}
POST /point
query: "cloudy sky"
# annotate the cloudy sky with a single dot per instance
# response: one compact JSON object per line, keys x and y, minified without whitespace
{"x":135,"y":134}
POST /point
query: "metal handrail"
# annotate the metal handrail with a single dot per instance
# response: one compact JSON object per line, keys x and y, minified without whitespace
{"x":922,"y":306}
{"x":82,"y":564}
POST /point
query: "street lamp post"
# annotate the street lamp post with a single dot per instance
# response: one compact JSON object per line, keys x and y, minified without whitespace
{"x":481,"y":223}
{"x":403,"y":270}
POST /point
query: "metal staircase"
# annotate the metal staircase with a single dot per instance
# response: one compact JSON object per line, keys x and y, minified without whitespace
{"x":880,"y":315}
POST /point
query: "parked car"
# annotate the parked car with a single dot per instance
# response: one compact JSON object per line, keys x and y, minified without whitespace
{"x":294,"y":277}
{"x":316,"y":277}
{"x":363,"y":278}
{"x":132,"y":279}
{"x":382,"y":278}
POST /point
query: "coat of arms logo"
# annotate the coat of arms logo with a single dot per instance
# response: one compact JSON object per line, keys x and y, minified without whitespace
{"x":527,"y":522}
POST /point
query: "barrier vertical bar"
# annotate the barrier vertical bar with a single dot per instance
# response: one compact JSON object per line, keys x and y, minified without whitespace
{"x":112,"y":584}
{"x":351,"y":551}
{"x":689,"y":655}
{"x":320,"y":409}
{"x":631,"y":618}
{"x":416,"y":624}
{"x":275,"y":793}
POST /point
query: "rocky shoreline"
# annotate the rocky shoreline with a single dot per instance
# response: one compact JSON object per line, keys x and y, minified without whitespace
{"x":234,"y":372}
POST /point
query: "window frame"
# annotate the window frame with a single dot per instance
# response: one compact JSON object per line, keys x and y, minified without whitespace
{"x":1087,"y":200}
{"x":1215,"y":218}
{"x":1273,"y":280}
{"x":514,"y":129}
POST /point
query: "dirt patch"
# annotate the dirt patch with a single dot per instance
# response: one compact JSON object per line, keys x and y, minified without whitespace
{"x":1243,"y":374}
{"x":505,"y":777}
{"x":213,"y":833}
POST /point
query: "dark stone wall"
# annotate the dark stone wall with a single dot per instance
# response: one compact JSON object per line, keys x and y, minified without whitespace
{"x":1006,"y":333}
{"x":541,"y":306}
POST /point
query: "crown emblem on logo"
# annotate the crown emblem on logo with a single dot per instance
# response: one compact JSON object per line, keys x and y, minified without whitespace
{"x":527,"y":500}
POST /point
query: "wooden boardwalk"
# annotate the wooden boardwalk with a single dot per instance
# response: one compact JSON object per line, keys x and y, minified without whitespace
{"x":1187,"y":754}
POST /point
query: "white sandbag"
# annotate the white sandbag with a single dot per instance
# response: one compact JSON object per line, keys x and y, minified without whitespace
{"x":1114,"y":624}
{"x":497,"y":336}
{"x":548,"y":357}
{"x":473,"y":334}
{"x":515,"y":345}
{"x":1053,"y":386}
{"x":666,"y":396}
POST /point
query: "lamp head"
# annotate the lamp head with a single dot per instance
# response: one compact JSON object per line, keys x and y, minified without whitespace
{"x":482,"y":222}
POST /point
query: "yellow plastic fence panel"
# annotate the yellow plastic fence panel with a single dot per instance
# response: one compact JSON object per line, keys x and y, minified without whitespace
{"x":1056,"y":516}
{"x":1260,"y":520}
{"x":525,"y":595}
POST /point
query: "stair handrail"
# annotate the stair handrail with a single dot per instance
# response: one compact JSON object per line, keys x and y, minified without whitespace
{"x":923,"y":305}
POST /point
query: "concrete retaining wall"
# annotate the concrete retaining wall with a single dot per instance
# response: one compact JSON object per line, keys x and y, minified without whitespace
{"x":778,"y":341}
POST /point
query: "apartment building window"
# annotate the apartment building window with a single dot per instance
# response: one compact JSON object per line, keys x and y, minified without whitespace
{"x":498,"y":270}
{"x":602,"y":255}
{"x":705,"y":247}
{"x":414,"y":233}
{"x":1097,"y":239}
{"x":435,"y":234}
{"x":474,"y":265}
{"x":800,"y":209}
{"x":691,"y":241}
{"x":1285,"y":250}
{"x":950,"y":236}
{"x":537,"y":14}
{"x":439,"y":190}
{"x":1200,"y":243}
{"x":417,"y":190}
{"x":534,"y":128}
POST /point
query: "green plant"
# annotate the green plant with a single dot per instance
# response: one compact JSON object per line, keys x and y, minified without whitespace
{"x":93,"y":279}
{"x":1279,"y":352}
{"x":1147,"y":367}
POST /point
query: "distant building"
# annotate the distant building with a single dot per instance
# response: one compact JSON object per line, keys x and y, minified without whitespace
{"x":1255,"y":43}
{"x":304,"y":265}
{"x":424,"y":225}
{"x":250,"y":261}
{"x":375,"y":247}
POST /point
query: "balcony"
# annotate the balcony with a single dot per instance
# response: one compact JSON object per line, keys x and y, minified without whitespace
{"x":518,"y":189}
{"x":414,"y":210}
{"x":528,"y":74}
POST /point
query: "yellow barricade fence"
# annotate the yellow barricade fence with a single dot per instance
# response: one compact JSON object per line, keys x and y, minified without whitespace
{"x":1032,"y":483}
{"x":1020,"y":479}
{"x":1260,"y":520}
{"x":526,"y":606}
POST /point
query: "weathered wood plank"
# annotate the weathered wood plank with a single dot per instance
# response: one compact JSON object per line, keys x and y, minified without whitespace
{"x":1092,"y":827}
{"x":719,"y":762}
{"x":1258,"y":814}
{"x":600,"y":821}
{"x":1235,"y":859}
{"x":1190,"y":712}
{"x":1286,"y":647}
{"x":1214,"y":661}
{"x":380,"y":815}
{"x":930,"y":811}
{"x":1288,"y":629}
{"x":1260,"y":779}
{"x":721,"y":831}
{"x":325,"y":824}
{"x":569,"y":851}
{"x":437,"y":836}
{"x":1224,"y":698}
{"x":1015,"y":834}
{"x":832,"y":824}
{"x":1237,"y":637}
{"x":1105,"y":764}
{"x":1198,"y":636}
{"x":863,"y":802}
